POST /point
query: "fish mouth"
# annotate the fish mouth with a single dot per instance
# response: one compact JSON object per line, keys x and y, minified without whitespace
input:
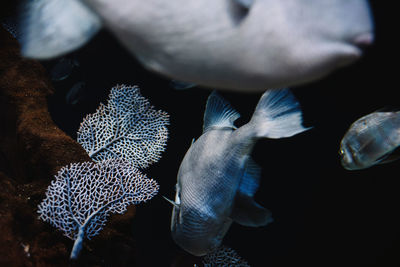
{"x":360,"y":43}
{"x":353,"y":48}
{"x":363,"y":40}
{"x":349,"y":160}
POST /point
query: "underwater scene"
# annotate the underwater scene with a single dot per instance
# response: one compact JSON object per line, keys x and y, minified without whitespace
{"x":199,"y":133}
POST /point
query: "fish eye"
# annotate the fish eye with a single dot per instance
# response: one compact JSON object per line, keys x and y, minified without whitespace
{"x":341,"y":152}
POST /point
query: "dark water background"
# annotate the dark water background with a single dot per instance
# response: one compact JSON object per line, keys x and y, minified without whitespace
{"x":324,"y":215}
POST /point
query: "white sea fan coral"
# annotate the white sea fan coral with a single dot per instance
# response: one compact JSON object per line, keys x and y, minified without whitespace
{"x":127,"y":127}
{"x":83,"y":195}
{"x":224,"y":257}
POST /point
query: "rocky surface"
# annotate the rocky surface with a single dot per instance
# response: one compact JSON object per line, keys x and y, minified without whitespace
{"x":32,"y":150}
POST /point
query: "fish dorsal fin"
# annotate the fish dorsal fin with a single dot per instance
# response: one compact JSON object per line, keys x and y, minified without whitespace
{"x":251,"y":179}
{"x":389,"y":109}
{"x":219,"y":113}
{"x":247,"y":212}
{"x":245,"y":3}
{"x":51,"y":28}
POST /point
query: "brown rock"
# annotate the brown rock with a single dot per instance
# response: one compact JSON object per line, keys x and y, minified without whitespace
{"x":32,"y":150}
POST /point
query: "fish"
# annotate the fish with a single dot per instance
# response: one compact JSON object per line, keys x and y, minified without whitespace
{"x":76,"y":93}
{"x":217,"y":178}
{"x":371,"y":140}
{"x":242,"y":45}
{"x":63,"y":68}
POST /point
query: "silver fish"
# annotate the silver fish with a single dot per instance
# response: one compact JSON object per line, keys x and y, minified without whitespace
{"x":245,"y":45}
{"x":217,"y":179}
{"x":370,"y":140}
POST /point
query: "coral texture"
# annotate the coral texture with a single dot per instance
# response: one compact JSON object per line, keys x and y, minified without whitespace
{"x":127,"y":127}
{"x":224,"y":256}
{"x":83,"y":195}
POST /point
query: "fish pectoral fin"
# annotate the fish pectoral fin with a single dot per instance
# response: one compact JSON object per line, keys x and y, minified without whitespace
{"x":171,"y":202}
{"x":388,"y":158}
{"x":50,"y":28}
{"x":247,"y":212}
{"x":251,"y":179}
{"x":219,"y":113}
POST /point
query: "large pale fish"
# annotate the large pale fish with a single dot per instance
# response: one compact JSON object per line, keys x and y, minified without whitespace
{"x":230,"y":44}
{"x":217,"y":178}
{"x":371,"y":140}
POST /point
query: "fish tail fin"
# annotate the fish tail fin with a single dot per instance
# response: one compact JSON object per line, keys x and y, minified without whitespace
{"x":277,"y":115}
{"x":50,"y":28}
